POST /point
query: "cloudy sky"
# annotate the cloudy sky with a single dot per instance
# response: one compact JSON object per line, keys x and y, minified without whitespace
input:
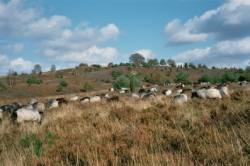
{"x":66,"y":32}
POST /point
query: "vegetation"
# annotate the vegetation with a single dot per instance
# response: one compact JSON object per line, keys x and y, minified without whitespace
{"x":182,"y":78}
{"x":34,"y":80}
{"x":203,"y":132}
{"x":87,"y":87}
{"x":37,"y":69}
{"x":2,"y":86}
{"x":122,"y":82}
{"x":137,"y":59}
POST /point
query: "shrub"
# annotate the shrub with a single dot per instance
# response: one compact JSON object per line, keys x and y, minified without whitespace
{"x":2,"y":86}
{"x":116,"y":73}
{"x":59,"y":88}
{"x":155,"y":78}
{"x":182,"y":78}
{"x":33,"y":80}
{"x":134,"y":83}
{"x":63,"y":83}
{"x":230,"y":77}
{"x":121,"y":82}
{"x":87,"y":87}
{"x":205,"y":78}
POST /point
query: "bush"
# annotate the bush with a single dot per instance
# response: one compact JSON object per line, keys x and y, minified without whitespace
{"x":230,"y":77}
{"x":59,"y":88}
{"x":33,"y":80}
{"x":134,"y":83}
{"x":36,"y":144}
{"x":115,"y":74}
{"x":121,"y":82}
{"x":206,"y":78}
{"x":182,"y":78}
{"x":63,"y":83}
{"x":155,"y":78}
{"x":2,"y":86}
{"x":87,"y":87}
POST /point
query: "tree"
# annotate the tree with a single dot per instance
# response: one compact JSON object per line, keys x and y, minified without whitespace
{"x":37,"y":69}
{"x":11,"y":78}
{"x":171,"y":63}
{"x":137,"y":59}
{"x":134,"y":82}
{"x":163,"y":62}
{"x":53,"y":68}
{"x":153,"y":62}
{"x":110,"y":64}
{"x":248,"y":67}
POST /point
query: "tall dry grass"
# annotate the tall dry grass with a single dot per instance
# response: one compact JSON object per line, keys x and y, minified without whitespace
{"x":153,"y":132}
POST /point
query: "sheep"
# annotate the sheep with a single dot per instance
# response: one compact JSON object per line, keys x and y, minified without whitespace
{"x":167,"y":92}
{"x":85,"y":100}
{"x":32,"y":101}
{"x":224,"y":91}
{"x":154,"y":90}
{"x":213,"y":93}
{"x":148,"y":95}
{"x":111,"y":89}
{"x":39,"y":106}
{"x":134,"y":95}
{"x":113,"y":99}
{"x":74,"y":98}
{"x":10,"y":108}
{"x":179,"y":91}
{"x":180,"y":99}
{"x":26,"y":115}
{"x":61,"y":101}
{"x":142,"y":90}
{"x":95,"y":99}
{"x":53,"y":104}
{"x":201,"y":93}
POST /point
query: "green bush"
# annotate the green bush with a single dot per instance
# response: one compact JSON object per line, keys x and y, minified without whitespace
{"x":116,"y":73}
{"x":230,"y":77}
{"x":134,"y":83}
{"x":34,"y":80}
{"x":155,"y":78}
{"x":63,"y":83}
{"x":36,"y":144}
{"x":121,"y":82}
{"x":59,"y":88}
{"x":2,"y":86}
{"x":182,"y":78}
{"x":87,"y":87}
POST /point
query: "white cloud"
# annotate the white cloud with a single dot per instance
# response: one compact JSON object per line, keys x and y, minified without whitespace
{"x":146,"y":53}
{"x":92,"y":55}
{"x":229,"y":21}
{"x":225,"y":54}
{"x":3,"y":59}
{"x":21,"y":65}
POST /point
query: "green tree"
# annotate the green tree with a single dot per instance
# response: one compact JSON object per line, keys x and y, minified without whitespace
{"x":153,"y":62}
{"x":171,"y":63}
{"x":121,"y":82}
{"x":134,"y":82}
{"x":53,"y":68}
{"x":137,"y":59}
{"x":163,"y":62}
{"x":37,"y":69}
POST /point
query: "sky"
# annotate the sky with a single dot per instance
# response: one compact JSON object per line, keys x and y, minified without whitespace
{"x":67,"y":33}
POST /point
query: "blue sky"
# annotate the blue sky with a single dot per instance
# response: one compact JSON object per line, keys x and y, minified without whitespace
{"x":66,"y":32}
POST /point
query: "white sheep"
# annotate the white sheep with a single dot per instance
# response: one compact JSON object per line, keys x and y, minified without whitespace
{"x":134,"y":95}
{"x":85,"y":100}
{"x":202,"y":93}
{"x":40,"y":107}
{"x":95,"y":99}
{"x":179,"y":91}
{"x":213,"y":93}
{"x":224,"y":91}
{"x":25,"y":115}
{"x":180,"y":99}
{"x":74,"y":98}
{"x":33,"y":101}
{"x":168,"y":92}
{"x":53,"y":104}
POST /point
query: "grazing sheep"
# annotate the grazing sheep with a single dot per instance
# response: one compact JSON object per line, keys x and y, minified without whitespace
{"x":180,"y":99}
{"x":85,"y":100}
{"x":29,"y":107}
{"x":95,"y":99}
{"x":111,"y":89}
{"x":25,"y":115}
{"x":154,"y":89}
{"x":134,"y":95}
{"x":10,"y":108}
{"x":213,"y":93}
{"x":32,"y":101}
{"x":40,"y":107}
{"x":61,"y":101}
{"x":74,"y":98}
{"x":53,"y":104}
{"x":148,"y":95}
{"x":179,"y":91}
{"x":167,"y":92}
{"x":142,"y":90}
{"x":201,"y":93}
{"x":113,"y":99}
{"x":224,"y":91}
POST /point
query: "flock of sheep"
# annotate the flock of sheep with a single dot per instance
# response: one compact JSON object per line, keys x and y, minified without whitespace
{"x":34,"y":110}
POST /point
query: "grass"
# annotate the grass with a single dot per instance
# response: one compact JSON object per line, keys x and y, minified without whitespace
{"x":153,"y":132}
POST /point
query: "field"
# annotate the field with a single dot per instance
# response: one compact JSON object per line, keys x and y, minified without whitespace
{"x":153,"y":132}
{"x":130,"y":132}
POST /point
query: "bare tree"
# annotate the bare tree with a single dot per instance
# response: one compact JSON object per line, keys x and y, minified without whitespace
{"x":11,"y":78}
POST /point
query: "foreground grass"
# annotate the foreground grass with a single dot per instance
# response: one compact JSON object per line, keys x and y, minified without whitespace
{"x":154,"y":132}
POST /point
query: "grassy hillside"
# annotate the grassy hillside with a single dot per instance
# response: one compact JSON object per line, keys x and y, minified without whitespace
{"x":150,"y":132}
